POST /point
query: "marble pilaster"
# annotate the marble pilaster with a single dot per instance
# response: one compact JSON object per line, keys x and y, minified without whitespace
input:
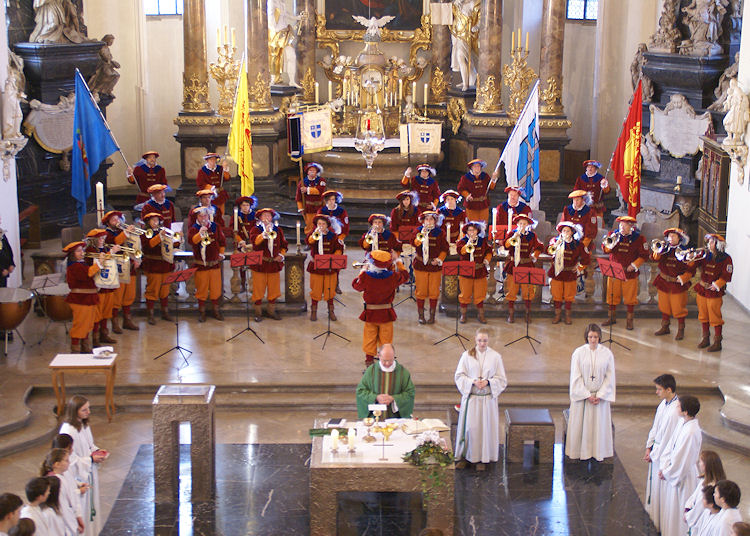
{"x":306,"y":50}
{"x":551,"y":60}
{"x":489,"y":70}
{"x":195,"y":74}
{"x":441,"y":61}
{"x":258,"y":72}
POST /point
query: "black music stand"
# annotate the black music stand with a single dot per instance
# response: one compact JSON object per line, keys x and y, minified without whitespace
{"x":243,"y":261}
{"x":617,"y":271}
{"x":41,"y":282}
{"x":528,"y":276}
{"x":406,"y":233}
{"x":178,"y":277}
{"x":330,"y":262}
{"x":457,"y":268}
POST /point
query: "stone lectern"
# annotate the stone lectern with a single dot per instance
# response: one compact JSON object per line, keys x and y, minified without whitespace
{"x":173,"y":404}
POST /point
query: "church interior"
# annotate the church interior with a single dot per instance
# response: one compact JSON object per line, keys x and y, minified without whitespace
{"x":173,"y":179}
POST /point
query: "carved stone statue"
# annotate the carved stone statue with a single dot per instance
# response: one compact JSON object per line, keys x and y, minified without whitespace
{"x":667,"y":35}
{"x":704,"y":19}
{"x":283,"y":30}
{"x":56,"y":22}
{"x":727,"y":76}
{"x":104,"y":79}
{"x":651,"y":153}
{"x":13,"y":95}
{"x":737,"y":107}
{"x":464,"y":38}
{"x":636,"y":73}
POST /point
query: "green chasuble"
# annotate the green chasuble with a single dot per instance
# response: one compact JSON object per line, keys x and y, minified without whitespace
{"x":374,"y":382}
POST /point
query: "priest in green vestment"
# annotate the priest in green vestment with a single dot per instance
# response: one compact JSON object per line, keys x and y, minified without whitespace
{"x":386,"y":382}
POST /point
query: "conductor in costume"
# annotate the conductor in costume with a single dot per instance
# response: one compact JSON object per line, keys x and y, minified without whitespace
{"x":594,"y":183}
{"x":424,"y":184}
{"x":475,"y":186}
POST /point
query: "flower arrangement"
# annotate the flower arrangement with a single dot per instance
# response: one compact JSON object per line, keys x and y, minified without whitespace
{"x":431,"y":458}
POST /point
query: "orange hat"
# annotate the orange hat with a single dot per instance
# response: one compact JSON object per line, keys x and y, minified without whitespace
{"x":246,"y":199}
{"x":211,"y":155}
{"x":374,"y":217}
{"x":205,"y":191}
{"x":94,"y":233}
{"x":111,"y":213}
{"x":339,"y":196}
{"x":405,"y":193}
{"x":512,"y":188}
{"x":199,"y":210}
{"x":684,"y":238}
{"x":432,"y":213}
{"x":627,"y":219}
{"x":577,"y":193}
{"x":315,"y":165}
{"x":476,"y":161}
{"x":262,"y":211}
{"x":519,"y":217}
{"x":151,"y":215}
{"x":450,"y":193}
{"x":381,"y":259}
{"x":70,"y":247}
{"x":594,"y":163}
{"x":149,"y":153}
{"x":715,"y":236}
{"x":321,"y":217}
{"x":156,"y":188}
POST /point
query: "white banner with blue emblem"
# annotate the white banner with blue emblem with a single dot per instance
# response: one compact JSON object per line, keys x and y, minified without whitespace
{"x":316,"y":130}
{"x":421,"y":138}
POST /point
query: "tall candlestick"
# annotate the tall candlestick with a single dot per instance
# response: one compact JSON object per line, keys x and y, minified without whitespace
{"x":298,"y":237}
{"x":400,"y":90}
{"x":414,"y":93}
{"x":519,"y":37}
{"x":218,"y":37}
{"x":317,"y":89}
{"x":232,"y":37}
{"x":512,"y":40}
{"x":226,"y":34}
{"x":334,"y":439}
{"x":425,"y":97}
{"x":330,"y":90}
{"x":99,"y":202}
{"x":527,"y":41}
{"x":236,"y":220}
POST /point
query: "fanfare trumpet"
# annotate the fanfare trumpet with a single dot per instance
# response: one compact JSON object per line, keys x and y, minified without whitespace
{"x":316,"y":235}
{"x":123,"y":255}
{"x":470,"y":247}
{"x":359,"y":264}
{"x":610,"y":241}
{"x":659,"y":246}
{"x":691,"y":255}
{"x":132,"y":252}
{"x":369,"y":238}
{"x":176,"y":236}
{"x":135,"y":230}
{"x":554,"y":245}
{"x":515,"y":240}
{"x":269,"y":235}
{"x":205,"y":238}
{"x":421,"y":235}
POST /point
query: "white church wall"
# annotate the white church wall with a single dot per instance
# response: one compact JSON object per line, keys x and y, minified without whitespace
{"x":578,"y":82}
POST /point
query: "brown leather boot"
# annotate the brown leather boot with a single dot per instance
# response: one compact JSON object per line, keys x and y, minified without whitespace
{"x":127,"y":322}
{"x":165,"y":315}
{"x":313,"y":311}
{"x":258,"y":312}
{"x":706,"y":339}
{"x":612,"y":317}
{"x":480,"y":315}
{"x":95,"y":338}
{"x":272,"y":312}
{"x":201,"y":313}
{"x":568,"y":316}
{"x":420,"y":313}
{"x":680,"y":329}
{"x":462,"y":318}
{"x":86,"y":345}
{"x":75,"y":347}
{"x":331,"y":313}
{"x":716,"y":346}
{"x":511,"y":312}
{"x":104,"y":336}
{"x":664,"y":330}
{"x":629,"y":320}
{"x":216,"y":312}
{"x":558,"y":314}
{"x":431,"y":320}
{"x":116,"y":322}
{"x":151,"y":320}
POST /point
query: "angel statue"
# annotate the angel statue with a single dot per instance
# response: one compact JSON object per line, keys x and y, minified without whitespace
{"x":56,"y":22}
{"x":464,"y":38}
{"x":373,"y":26}
{"x":106,"y":76}
{"x":283,"y":33}
{"x":738,"y":114}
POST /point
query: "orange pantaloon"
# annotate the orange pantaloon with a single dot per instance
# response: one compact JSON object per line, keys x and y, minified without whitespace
{"x":154,"y":288}
{"x":709,"y":310}
{"x":563,"y":290}
{"x":427,"y":284}
{"x":617,"y":290}
{"x":375,"y":335}
{"x":323,"y":286}
{"x":105,"y":306}
{"x":469,"y":287}
{"x":511,"y":290}
{"x":84,"y":317}
{"x":673,"y":303}
{"x":267,"y":282}
{"x":208,"y":284}
{"x":125,"y":295}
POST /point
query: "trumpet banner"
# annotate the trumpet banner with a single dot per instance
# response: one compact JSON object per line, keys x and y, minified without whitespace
{"x":420,"y":138}
{"x":626,"y":162}
{"x":317,"y":134}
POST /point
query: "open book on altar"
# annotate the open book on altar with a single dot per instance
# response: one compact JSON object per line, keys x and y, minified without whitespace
{"x":411,"y":426}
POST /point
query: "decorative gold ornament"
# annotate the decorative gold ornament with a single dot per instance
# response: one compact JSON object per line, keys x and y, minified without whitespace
{"x":552,"y":97}
{"x":194,"y":94}
{"x":488,"y":96}
{"x":438,"y":86}
{"x":260,"y":93}
{"x":456,"y":112}
{"x":518,"y":76}
{"x":225,"y":72}
{"x":201,"y":120}
{"x":308,"y":86}
{"x":451,"y":286}
{"x":295,"y":281}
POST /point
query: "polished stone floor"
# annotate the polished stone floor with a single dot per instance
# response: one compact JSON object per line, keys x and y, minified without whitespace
{"x":262,"y":488}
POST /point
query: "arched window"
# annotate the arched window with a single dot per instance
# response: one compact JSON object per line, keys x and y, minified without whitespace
{"x":163,"y":7}
{"x":582,"y":9}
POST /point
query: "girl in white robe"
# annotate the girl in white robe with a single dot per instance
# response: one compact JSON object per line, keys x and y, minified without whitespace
{"x":710,"y":471}
{"x":56,"y":464}
{"x":52,"y":513}
{"x":727,"y":496}
{"x":592,"y":390}
{"x":679,"y":468}
{"x":88,"y":456}
{"x":707,"y":518}
{"x":480,"y":378}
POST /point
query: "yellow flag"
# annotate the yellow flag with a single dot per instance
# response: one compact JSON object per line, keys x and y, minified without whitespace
{"x":240,"y":141}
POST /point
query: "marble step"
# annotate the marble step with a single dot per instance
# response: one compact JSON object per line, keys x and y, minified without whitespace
{"x":40,"y":427}
{"x":717,"y":431}
{"x":15,"y":413}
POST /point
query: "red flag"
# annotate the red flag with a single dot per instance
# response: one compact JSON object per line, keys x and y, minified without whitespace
{"x":626,"y":162}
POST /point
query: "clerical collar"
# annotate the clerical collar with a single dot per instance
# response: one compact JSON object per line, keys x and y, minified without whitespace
{"x":387,"y":369}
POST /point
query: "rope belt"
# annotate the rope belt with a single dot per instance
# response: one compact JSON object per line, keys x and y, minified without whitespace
{"x":377,"y":306}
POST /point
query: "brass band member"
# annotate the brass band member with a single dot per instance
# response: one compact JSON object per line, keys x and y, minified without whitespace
{"x":83,"y":297}
{"x":243,"y":225}
{"x":579,"y":211}
{"x":570,"y":259}
{"x":156,"y":267}
{"x":333,"y":209}
{"x":525,"y":249}
{"x":406,"y":213}
{"x":117,"y":233}
{"x":716,"y":271}
{"x":511,"y":207}
{"x":378,"y":283}
{"x":267,"y":237}
{"x":673,"y":281}
{"x":476,"y":248}
{"x":208,"y":242}
{"x":627,"y":247}
{"x":324,"y":240}
{"x":146,"y":174}
{"x":424,"y":184}
{"x":309,"y":193}
{"x":593,"y":182}
{"x":213,"y":175}
{"x":380,"y":238}
{"x":475,"y":185}
{"x":159,"y":203}
{"x":453,"y":215}
{"x":97,"y":244}
{"x":206,"y":200}
{"x":431,"y":249}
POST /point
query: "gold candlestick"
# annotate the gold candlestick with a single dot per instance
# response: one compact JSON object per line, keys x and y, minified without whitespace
{"x":518,"y":76}
{"x":225,"y":72}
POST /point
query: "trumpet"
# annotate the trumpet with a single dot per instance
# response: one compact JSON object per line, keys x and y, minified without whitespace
{"x":135,"y":230}
{"x":515,"y":240}
{"x":91,"y":255}
{"x":176,"y":236}
{"x":470,"y":247}
{"x":131,"y":252}
{"x":269,"y":235}
{"x":369,"y":238}
{"x":205,"y":238}
{"x":610,"y":241}
{"x":359,"y":264}
{"x":691,"y":255}
{"x":659,"y":246}
{"x":316,"y":235}
{"x":421,"y":235}
{"x":554,"y":245}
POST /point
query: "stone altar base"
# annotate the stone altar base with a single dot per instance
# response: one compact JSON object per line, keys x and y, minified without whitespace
{"x":265,"y":486}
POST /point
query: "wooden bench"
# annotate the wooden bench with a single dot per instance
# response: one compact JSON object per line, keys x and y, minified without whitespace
{"x":528,"y":424}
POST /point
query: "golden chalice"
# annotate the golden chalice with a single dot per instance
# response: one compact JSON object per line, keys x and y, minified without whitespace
{"x":368,"y":422}
{"x":377,"y":414}
{"x":387,"y":430}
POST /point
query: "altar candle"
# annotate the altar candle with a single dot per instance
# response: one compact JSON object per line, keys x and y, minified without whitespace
{"x":494,"y":221}
{"x":236,"y":219}
{"x":330,"y":90}
{"x":232,"y":37}
{"x":527,"y":41}
{"x":298,"y":237}
{"x":218,"y":37}
{"x":400,"y":90}
{"x":512,"y":40}
{"x":414,"y":93}
{"x":317,"y":90}
{"x":334,"y":439}
{"x":679,"y":179}
{"x":226,"y":34}
{"x":351,"y":437}
{"x":425,"y":96}
{"x":99,"y":202}
{"x":519,"y":37}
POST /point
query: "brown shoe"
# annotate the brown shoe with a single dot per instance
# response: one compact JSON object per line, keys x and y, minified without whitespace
{"x":462,"y":464}
{"x":127,"y":323}
{"x":706,"y":340}
{"x":116,"y":324}
{"x":629,"y":321}
{"x":86,"y":345}
{"x":104,"y":336}
{"x":331,"y":313}
{"x":217,"y":314}
{"x":558,"y":315}
{"x":258,"y":313}
{"x":272,"y":312}
{"x":480,"y":467}
{"x":431,"y":320}
{"x":680,"y":329}
{"x":420,"y":313}
{"x":202,"y":314}
{"x":462,"y":318}
{"x":612,"y":317}
{"x":166,"y":316}
{"x":664,"y":330}
{"x":511,"y":313}
{"x":480,"y":316}
{"x":151,"y":320}
{"x":314,"y":311}
{"x":75,"y":348}
{"x":716,"y":346}
{"x":568,"y":317}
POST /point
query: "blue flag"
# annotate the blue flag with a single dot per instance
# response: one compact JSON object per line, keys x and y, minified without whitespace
{"x":92,"y":143}
{"x":528,"y":163}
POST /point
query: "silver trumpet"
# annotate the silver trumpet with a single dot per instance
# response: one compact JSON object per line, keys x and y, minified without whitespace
{"x":135,"y":230}
{"x":691,"y":255}
{"x":176,"y":236}
{"x":359,"y":264}
{"x":659,"y":246}
{"x":611,"y":240}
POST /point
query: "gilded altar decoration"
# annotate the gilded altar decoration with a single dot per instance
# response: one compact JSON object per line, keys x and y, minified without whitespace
{"x":260,"y":91}
{"x":225,"y":72}
{"x":518,"y":76}
{"x":295,"y":280}
{"x":194,"y":94}
{"x":488,"y":96}
{"x":552,"y":97}
{"x":456,"y":112}
{"x":308,"y":86}
{"x":438,"y":85}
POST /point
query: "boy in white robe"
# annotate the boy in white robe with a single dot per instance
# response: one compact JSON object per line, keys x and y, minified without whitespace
{"x":37,"y":491}
{"x":727,"y":496}
{"x":679,"y":468}
{"x":592,"y":390}
{"x":480,"y":378}
{"x":665,"y":421}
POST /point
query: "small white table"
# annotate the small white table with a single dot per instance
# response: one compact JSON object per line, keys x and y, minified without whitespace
{"x":63,"y":363}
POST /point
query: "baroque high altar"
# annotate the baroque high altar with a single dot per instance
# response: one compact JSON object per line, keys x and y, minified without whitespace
{"x":441,"y":62}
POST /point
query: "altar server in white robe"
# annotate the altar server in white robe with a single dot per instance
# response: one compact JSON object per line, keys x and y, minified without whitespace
{"x":37,"y":492}
{"x":76,"y":425}
{"x":710,"y":471}
{"x":727,"y":496}
{"x":592,"y":390}
{"x":665,"y":421}
{"x":679,"y":468}
{"x":480,"y":378}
